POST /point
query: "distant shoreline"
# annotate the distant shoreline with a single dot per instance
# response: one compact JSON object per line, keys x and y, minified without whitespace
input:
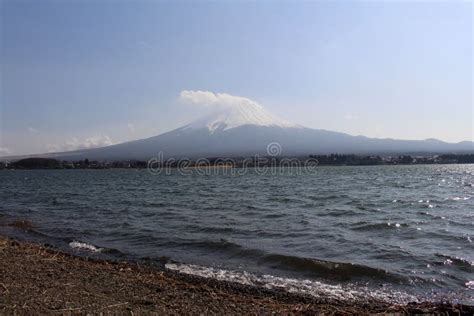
{"x":241,"y":162}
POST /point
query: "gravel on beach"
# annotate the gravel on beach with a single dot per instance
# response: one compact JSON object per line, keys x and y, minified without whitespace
{"x":40,"y":279}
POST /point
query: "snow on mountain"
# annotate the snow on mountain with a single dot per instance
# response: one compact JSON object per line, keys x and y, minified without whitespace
{"x":245,"y":112}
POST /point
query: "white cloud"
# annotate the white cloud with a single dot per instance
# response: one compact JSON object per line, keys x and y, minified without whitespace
{"x":75,"y":143}
{"x":214,"y":100}
{"x":205,"y":98}
{"x":32,"y":130}
{"x":4,"y":151}
{"x":131,"y":127}
{"x":351,"y":117}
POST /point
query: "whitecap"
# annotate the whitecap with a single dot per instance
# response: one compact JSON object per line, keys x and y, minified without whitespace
{"x":84,"y":246}
{"x":458,"y":198}
{"x":448,"y":262}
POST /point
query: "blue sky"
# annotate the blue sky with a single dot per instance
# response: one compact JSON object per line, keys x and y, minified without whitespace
{"x":89,"y":73}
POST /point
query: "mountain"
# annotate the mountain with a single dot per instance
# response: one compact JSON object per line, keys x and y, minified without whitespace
{"x":246,"y":112}
{"x":247,"y":129}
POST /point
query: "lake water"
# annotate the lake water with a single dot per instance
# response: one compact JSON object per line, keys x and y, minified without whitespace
{"x":395,"y":232}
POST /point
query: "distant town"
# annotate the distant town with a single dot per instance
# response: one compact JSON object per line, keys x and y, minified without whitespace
{"x":322,"y":160}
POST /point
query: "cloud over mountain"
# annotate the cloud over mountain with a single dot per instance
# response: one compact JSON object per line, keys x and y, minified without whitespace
{"x":215,"y":100}
{"x":75,"y":143}
{"x":4,"y":151}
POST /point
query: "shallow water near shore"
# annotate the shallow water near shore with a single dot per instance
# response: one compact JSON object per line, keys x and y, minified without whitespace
{"x":397,"y":232}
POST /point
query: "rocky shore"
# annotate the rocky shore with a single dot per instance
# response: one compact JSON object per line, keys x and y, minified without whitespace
{"x":39,"y":279}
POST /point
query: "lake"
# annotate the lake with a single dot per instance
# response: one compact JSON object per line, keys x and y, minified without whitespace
{"x":397,"y":232}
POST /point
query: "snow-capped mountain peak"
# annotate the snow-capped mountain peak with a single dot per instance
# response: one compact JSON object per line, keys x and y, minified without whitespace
{"x":245,"y":112}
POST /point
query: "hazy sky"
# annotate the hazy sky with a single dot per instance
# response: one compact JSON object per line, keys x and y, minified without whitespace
{"x":88,"y":73}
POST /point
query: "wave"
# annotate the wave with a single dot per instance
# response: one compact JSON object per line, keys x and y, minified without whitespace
{"x":211,"y":229}
{"x":333,"y":212}
{"x":84,"y":246}
{"x":456,"y":261}
{"x":309,"y":266}
{"x":364,"y":226}
{"x":306,"y":287}
{"x":336,"y":196}
{"x":329,"y":269}
{"x":155,"y":204}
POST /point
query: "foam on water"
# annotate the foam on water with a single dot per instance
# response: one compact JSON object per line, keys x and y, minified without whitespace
{"x":84,"y":246}
{"x":307,"y":287}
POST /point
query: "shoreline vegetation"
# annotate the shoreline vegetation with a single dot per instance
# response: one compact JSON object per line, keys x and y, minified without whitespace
{"x":40,"y":279}
{"x":240,"y":162}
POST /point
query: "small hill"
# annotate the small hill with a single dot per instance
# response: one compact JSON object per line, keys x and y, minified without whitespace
{"x":37,"y":163}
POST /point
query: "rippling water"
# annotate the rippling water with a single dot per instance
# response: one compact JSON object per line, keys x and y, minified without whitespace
{"x":388,"y":230}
